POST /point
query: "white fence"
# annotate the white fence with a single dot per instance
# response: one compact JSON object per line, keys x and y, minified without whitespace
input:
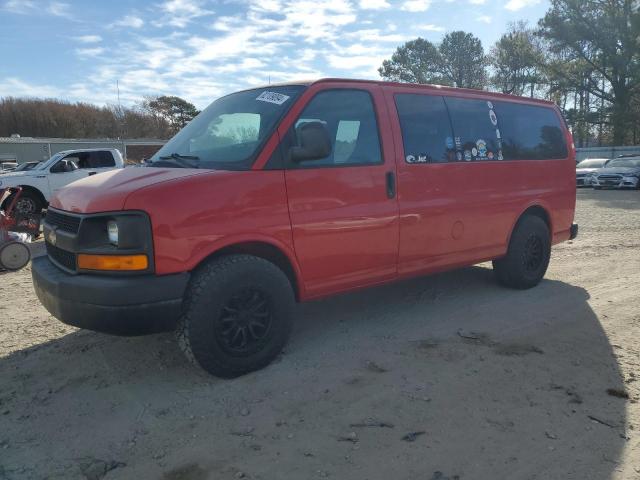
{"x":605,"y":152}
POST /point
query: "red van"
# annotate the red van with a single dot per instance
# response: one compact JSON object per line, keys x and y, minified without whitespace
{"x":292,"y":192}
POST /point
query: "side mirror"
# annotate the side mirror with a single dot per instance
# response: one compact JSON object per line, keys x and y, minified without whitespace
{"x":315,"y":143}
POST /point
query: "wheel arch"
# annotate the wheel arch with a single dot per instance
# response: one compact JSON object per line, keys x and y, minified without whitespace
{"x":36,"y":191}
{"x":268,"y":251}
{"x":31,"y":189}
{"x":536,"y":210}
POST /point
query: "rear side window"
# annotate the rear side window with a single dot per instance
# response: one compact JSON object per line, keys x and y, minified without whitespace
{"x":476,"y":127}
{"x":94,"y":159}
{"x":351,"y":122}
{"x":530,"y":132}
{"x":426,"y":129}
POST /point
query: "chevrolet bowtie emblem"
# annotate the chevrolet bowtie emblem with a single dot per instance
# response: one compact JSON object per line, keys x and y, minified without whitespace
{"x":52,"y":237}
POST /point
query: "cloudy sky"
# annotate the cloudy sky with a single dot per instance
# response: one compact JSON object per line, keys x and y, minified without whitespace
{"x":200,"y":49}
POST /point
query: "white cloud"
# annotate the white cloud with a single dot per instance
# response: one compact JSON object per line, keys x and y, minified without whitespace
{"x":484,"y":19}
{"x":416,"y":5}
{"x":89,"y":52}
{"x":374,"y":36}
{"x":515,"y":5}
{"x":14,"y":87}
{"x":129,"y":21}
{"x":477,"y":2}
{"x":30,"y":7}
{"x":89,"y":38}
{"x":355,"y":62}
{"x":199,"y":55}
{"x":59,"y":9}
{"x":21,"y":7}
{"x":179,"y":13}
{"x":431,"y":28}
{"x":373,"y":4}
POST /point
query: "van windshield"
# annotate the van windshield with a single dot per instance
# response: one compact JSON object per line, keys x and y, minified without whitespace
{"x":229,"y":133}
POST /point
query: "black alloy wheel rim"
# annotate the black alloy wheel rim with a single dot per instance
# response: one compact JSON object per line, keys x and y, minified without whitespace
{"x":532,"y":256}
{"x":245,"y":322}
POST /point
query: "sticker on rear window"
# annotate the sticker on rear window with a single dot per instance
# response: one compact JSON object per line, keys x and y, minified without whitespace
{"x":449,"y":142}
{"x":273,"y":97}
{"x":493,"y":118}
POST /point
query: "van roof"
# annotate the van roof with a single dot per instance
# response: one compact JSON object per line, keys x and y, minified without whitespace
{"x":439,"y":88}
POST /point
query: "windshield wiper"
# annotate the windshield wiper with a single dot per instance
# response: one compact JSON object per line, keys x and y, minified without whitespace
{"x":181,"y":160}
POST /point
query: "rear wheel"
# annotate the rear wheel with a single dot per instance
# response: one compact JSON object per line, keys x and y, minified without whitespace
{"x":528,"y":255}
{"x":237,"y":315}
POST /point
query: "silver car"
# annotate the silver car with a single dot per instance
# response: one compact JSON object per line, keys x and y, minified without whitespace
{"x":618,"y":173}
{"x":586,"y":167}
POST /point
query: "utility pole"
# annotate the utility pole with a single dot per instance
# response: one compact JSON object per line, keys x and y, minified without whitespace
{"x":118,"y":90}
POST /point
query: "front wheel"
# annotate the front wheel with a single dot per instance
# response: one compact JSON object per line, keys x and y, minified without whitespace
{"x":237,"y":315}
{"x":28,"y":203}
{"x":528,"y":255}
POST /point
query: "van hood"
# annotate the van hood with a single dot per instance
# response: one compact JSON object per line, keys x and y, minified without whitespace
{"x":108,"y":191}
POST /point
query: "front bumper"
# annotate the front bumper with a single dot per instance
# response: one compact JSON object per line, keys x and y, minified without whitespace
{"x":583,"y":182}
{"x":627,"y":182}
{"x":119,"y":305}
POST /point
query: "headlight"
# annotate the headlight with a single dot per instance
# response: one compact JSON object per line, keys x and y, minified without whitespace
{"x":112,"y":232}
{"x":118,"y":241}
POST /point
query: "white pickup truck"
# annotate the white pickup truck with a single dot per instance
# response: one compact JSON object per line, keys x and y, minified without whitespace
{"x":41,"y":182}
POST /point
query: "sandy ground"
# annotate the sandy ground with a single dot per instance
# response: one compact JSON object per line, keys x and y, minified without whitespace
{"x":439,"y":378}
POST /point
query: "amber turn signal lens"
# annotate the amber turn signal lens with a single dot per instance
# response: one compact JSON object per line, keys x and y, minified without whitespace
{"x":113,"y":262}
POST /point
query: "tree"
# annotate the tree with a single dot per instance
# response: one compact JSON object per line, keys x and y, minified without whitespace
{"x":463,"y":63}
{"x":417,"y":61}
{"x":57,"y":118}
{"x":457,"y":61}
{"x":175,"y":110}
{"x":601,"y":35}
{"x":516,"y":60}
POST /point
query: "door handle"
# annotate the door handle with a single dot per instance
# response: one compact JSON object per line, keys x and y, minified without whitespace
{"x":391,"y":185}
{"x":92,"y":173}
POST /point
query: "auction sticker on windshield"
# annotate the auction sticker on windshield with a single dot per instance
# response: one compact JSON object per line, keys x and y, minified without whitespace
{"x":273,"y":97}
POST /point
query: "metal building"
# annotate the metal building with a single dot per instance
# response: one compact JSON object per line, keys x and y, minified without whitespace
{"x":30,"y":149}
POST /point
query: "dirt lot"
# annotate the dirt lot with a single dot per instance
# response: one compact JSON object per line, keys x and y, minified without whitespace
{"x":436,"y":378}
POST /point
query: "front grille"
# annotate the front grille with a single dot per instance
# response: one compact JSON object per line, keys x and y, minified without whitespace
{"x":68,"y":223}
{"x":62,"y":257}
{"x":617,"y":178}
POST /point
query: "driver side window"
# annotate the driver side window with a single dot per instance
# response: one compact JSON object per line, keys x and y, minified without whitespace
{"x":349,"y":117}
{"x":66,"y":164}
